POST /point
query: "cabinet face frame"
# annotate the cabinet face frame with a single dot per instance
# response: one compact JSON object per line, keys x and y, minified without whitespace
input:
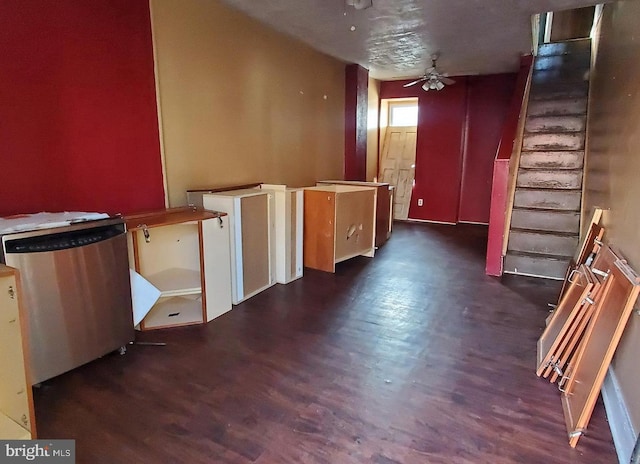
{"x":17,"y":323}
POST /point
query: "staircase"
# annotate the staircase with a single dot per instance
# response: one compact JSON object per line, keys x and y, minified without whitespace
{"x":545,"y":221}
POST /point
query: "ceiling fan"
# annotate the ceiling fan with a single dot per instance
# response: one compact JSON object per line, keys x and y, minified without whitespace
{"x":432,"y":79}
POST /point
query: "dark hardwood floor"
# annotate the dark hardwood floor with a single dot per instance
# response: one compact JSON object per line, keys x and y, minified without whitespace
{"x":414,"y":356}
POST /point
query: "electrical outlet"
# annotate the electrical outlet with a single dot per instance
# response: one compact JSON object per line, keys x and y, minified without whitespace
{"x":420,"y":202}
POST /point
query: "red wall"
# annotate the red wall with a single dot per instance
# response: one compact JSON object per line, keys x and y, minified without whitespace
{"x":78,"y":120}
{"x":488,"y":101}
{"x":439,"y":165}
{"x":458,"y":135}
{"x":356,"y":108}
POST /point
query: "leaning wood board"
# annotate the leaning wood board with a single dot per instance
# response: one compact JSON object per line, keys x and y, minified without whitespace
{"x":551,"y":340}
{"x":597,"y":347}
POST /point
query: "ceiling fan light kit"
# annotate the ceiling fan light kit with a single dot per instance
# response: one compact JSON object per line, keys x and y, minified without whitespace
{"x":432,"y":85}
{"x":432,"y":79}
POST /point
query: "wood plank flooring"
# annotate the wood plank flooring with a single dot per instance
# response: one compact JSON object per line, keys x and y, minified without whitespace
{"x":414,"y":356}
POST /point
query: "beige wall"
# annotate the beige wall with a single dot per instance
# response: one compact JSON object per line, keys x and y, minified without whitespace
{"x":240,"y":103}
{"x":613,"y":163}
{"x":373,"y":133}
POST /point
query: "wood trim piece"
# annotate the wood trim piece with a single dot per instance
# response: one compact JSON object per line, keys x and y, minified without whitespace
{"x":203,"y":281}
{"x":291,"y":255}
{"x":136,"y":250}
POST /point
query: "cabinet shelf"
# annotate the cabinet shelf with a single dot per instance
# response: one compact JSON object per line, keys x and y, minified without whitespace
{"x":177,"y":282}
{"x":174,"y":311}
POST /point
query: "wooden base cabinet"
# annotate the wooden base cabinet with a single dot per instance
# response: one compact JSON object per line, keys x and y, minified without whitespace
{"x":289,"y":227}
{"x":339,"y":223}
{"x":384,"y":205}
{"x":252,"y":238}
{"x":184,"y":253}
{"x":17,"y":418}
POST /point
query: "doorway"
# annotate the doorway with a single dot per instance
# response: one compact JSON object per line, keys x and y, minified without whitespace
{"x":398,"y":134}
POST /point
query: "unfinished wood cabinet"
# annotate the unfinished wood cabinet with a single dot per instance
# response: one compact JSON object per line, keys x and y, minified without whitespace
{"x":339,"y":224}
{"x":252,"y":238}
{"x":289,"y":226}
{"x":384,"y":206}
{"x":17,"y":418}
{"x":184,"y":253}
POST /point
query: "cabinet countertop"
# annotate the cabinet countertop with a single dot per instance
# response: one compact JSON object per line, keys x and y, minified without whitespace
{"x":339,"y":188}
{"x":169,"y":216}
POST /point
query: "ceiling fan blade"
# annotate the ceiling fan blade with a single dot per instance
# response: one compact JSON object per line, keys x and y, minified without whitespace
{"x":414,"y":82}
{"x":447,"y":81}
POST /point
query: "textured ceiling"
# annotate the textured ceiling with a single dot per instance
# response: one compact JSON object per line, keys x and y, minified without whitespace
{"x":395,"y":38}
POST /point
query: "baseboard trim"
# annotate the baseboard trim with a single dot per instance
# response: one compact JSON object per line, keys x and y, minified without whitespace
{"x":527,"y":274}
{"x":427,"y":221}
{"x":624,"y":437}
{"x":474,"y":222}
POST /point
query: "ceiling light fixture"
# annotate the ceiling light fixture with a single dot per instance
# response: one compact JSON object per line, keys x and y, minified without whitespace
{"x":360,"y":4}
